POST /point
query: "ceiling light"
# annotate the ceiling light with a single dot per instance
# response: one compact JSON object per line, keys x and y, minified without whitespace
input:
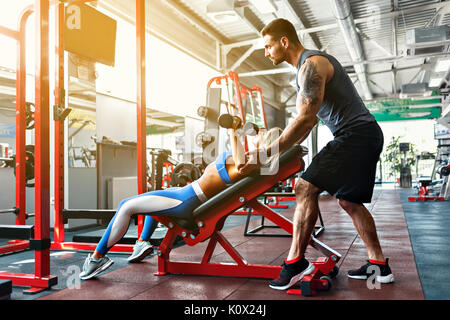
{"x":442,"y":65}
{"x":264,"y":6}
{"x":222,"y":11}
{"x":224,"y":17}
{"x":435,"y":82}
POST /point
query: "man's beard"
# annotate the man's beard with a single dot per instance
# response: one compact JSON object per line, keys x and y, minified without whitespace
{"x":277,"y":60}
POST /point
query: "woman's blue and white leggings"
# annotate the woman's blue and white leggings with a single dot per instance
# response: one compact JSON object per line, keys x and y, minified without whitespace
{"x":172,"y":202}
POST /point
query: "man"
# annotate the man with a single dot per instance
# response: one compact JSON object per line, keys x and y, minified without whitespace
{"x":345,"y":167}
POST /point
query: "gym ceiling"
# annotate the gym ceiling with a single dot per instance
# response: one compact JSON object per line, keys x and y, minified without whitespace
{"x":368,"y":37}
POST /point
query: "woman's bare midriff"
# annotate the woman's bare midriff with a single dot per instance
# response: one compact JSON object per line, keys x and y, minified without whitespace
{"x":211,"y":183}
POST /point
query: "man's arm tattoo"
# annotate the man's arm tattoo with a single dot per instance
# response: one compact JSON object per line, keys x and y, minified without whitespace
{"x":310,"y":82}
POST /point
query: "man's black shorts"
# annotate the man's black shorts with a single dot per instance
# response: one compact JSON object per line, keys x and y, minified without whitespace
{"x":346,"y":166}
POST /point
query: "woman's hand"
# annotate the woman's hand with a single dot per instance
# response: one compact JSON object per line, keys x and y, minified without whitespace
{"x":253,"y":159}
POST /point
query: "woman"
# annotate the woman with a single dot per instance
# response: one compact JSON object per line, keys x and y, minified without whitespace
{"x":175,"y":202}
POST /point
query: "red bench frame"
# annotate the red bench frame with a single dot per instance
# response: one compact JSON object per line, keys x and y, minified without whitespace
{"x":211,"y":223}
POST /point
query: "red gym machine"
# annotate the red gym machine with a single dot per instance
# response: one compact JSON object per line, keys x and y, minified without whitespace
{"x":424,"y":193}
{"x":251,"y":111}
{"x":37,"y":237}
{"x":236,"y":93}
{"x":61,"y":213}
{"x":207,"y":221}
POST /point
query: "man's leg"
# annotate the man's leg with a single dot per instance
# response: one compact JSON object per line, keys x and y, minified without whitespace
{"x":295,"y":266}
{"x":365,"y":226}
{"x":305,"y":217}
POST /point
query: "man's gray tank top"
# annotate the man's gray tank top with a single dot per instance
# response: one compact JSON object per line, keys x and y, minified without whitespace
{"x":342,"y":107}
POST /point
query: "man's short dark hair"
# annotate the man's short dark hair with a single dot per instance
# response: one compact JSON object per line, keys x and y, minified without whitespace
{"x":281,"y":28}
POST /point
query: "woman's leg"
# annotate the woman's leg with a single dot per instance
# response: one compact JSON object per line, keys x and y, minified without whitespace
{"x":176,"y":202}
{"x":122,"y":226}
{"x":143,"y":247}
{"x":149,"y":227}
{"x":146,"y":203}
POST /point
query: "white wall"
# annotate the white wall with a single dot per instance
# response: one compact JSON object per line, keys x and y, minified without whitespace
{"x":418,"y":132}
{"x":176,"y":83}
{"x":115,"y":118}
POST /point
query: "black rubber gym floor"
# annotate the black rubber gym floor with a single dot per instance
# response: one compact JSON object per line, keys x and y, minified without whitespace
{"x":428,"y":226}
{"x":65,"y":264}
{"x":429,"y":230}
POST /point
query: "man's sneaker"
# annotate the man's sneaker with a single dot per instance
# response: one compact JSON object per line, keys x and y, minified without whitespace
{"x":92,"y":267}
{"x":140,"y":250}
{"x":383,"y":274}
{"x":291,"y":274}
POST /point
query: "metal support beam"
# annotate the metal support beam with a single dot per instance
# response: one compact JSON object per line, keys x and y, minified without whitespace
{"x":344,"y":18}
{"x":141,"y":108}
{"x":325,"y":46}
{"x":394,"y":79}
{"x":433,"y":17}
{"x":219,"y":60}
{"x":394,"y":47}
{"x":348,"y":64}
{"x":20,"y":168}
{"x":441,"y":13}
{"x":375,"y":43}
{"x":369,"y":18}
{"x":59,"y":160}
{"x":243,"y":57}
{"x":293,"y":94}
{"x":42,"y":137}
{"x":421,"y":71}
{"x":379,"y":87}
{"x":243,"y":12}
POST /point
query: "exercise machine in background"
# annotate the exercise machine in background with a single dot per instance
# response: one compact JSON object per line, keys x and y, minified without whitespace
{"x":226,"y":95}
{"x":434,"y":189}
{"x":405,"y":171}
{"x":228,"y":98}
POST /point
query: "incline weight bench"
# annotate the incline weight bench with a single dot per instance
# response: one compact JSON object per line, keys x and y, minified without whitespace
{"x":207,"y":221}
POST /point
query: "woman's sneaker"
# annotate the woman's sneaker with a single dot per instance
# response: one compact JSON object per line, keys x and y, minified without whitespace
{"x":384,"y":275}
{"x":291,"y":274}
{"x":93,"y":267}
{"x":140,"y":250}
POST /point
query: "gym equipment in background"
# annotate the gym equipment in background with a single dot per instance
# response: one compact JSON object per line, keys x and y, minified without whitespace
{"x":433,"y":189}
{"x":405,"y":171}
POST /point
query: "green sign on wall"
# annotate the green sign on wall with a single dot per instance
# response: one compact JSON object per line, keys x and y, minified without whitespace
{"x":405,"y":109}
